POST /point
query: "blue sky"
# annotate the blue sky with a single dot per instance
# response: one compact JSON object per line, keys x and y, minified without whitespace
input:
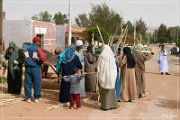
{"x":153,"y":12}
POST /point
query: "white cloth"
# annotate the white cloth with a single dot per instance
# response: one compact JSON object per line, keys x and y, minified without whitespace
{"x":106,"y":67}
{"x":162,"y":58}
{"x":79,"y":43}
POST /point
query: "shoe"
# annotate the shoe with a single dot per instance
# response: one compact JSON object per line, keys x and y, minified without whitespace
{"x":36,"y":100}
{"x":66,"y":104}
{"x":28,"y":100}
{"x":118,"y":100}
{"x":161,"y":73}
{"x":168,"y":73}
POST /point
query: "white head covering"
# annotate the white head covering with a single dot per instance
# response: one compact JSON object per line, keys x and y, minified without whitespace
{"x":138,"y":47}
{"x":79,"y":43}
{"x":107,"y":69}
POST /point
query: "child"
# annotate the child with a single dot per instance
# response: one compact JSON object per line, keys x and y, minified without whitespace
{"x":75,"y":88}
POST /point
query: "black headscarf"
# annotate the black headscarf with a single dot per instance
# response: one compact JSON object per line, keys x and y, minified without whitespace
{"x":130,"y":59}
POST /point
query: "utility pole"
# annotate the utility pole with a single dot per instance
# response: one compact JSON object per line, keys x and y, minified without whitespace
{"x":1,"y":26}
{"x":70,"y":33}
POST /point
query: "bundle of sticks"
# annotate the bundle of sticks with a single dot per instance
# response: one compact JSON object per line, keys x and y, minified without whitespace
{"x":7,"y":99}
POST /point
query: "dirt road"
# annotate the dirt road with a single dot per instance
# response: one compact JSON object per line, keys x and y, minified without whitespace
{"x":161,"y":101}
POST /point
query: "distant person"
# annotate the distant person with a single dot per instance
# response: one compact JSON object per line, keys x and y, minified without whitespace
{"x":140,"y":59}
{"x":66,"y":64}
{"x":15,"y":57}
{"x":90,"y":66}
{"x":74,"y":88}
{"x":91,"y":48}
{"x":107,"y":73}
{"x":34,"y":59}
{"x":114,"y":47}
{"x":128,"y":79}
{"x":79,"y":53}
{"x":162,"y":60}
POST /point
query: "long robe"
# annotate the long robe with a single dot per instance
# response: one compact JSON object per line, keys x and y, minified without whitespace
{"x":107,"y":73}
{"x":140,"y":60}
{"x":14,"y":76}
{"x":90,"y":79}
{"x":117,"y":85}
{"x":67,"y":69}
{"x":162,"y":58}
{"x":107,"y":98}
{"x":128,"y":81}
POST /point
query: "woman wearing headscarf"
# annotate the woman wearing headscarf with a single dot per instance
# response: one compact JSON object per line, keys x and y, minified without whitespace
{"x":140,"y":59}
{"x":162,"y":60}
{"x":16,"y":58}
{"x":90,"y":66}
{"x":68,"y":62}
{"x":128,"y":81}
{"x":107,"y":73}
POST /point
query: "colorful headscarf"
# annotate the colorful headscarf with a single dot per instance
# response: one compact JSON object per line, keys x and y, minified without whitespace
{"x":69,"y":55}
{"x":65,"y":57}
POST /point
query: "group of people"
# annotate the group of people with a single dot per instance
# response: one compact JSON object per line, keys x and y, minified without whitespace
{"x":117,"y":76}
{"x":32,"y":58}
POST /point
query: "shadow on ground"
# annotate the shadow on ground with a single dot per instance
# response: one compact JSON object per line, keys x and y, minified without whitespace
{"x":172,"y":104}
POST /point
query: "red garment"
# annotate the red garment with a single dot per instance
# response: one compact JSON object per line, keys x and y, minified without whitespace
{"x":36,"y":39}
{"x":42,"y":56}
{"x":74,"y":97}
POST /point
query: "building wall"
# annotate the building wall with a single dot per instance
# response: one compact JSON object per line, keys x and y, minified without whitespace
{"x":18,"y":31}
{"x":49,"y":34}
{"x":60,"y":36}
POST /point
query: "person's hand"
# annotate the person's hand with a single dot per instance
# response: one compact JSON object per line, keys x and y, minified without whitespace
{"x":152,"y":53}
{"x":15,"y":62}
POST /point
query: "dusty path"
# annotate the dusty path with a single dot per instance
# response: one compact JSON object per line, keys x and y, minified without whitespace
{"x":159,"y":104}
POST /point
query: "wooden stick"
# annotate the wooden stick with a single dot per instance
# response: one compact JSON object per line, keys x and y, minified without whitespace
{"x":100,"y":35}
{"x":125,"y":37}
{"x":109,"y":40}
{"x":121,"y":37}
{"x":85,"y":73}
{"x":53,"y":107}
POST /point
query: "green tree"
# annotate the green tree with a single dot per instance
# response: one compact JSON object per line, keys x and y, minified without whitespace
{"x":97,"y":37}
{"x":43,"y":16}
{"x":105,"y":17}
{"x":82,"y":20}
{"x":162,"y":31}
{"x":141,"y":31}
{"x":130,"y":29}
{"x":60,"y":19}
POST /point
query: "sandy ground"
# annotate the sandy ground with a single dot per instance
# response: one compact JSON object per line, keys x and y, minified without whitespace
{"x":161,"y":101}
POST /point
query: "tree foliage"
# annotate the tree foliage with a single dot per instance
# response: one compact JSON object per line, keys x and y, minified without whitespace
{"x":105,"y":17}
{"x":141,"y":30}
{"x":60,"y":19}
{"x":82,"y":20}
{"x":43,"y":16}
{"x":172,"y":34}
{"x":94,"y":30}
